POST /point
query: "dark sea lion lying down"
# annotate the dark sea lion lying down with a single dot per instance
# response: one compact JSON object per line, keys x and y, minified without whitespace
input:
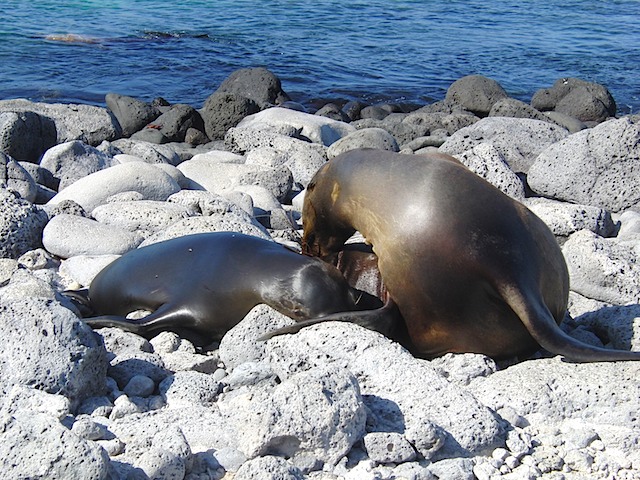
{"x":469,"y":268}
{"x":199,"y":286}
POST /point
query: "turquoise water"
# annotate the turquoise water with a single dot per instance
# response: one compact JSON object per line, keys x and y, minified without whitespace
{"x":324,"y":49}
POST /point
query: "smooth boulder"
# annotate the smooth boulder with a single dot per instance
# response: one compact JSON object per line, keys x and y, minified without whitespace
{"x":93,"y":190}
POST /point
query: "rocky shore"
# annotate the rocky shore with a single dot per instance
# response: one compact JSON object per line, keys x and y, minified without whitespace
{"x":81,"y":185}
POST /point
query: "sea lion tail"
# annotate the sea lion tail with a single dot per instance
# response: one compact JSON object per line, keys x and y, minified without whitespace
{"x":541,"y":325}
{"x":382,"y":320}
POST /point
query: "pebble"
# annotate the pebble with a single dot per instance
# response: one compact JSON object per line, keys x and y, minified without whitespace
{"x":139,"y":386}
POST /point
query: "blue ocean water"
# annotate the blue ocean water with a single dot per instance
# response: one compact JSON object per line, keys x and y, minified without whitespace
{"x":374,"y":50}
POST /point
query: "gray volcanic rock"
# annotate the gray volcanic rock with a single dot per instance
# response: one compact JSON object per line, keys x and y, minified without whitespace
{"x":334,"y":400}
{"x":566,"y":218}
{"x":228,"y":222}
{"x":21,"y":225}
{"x":145,"y":216}
{"x":364,"y":138}
{"x":519,"y":140}
{"x":602,"y":268}
{"x":510,"y":107}
{"x":274,"y":150}
{"x":175,"y":122}
{"x":333,"y":111}
{"x":596,"y":167}
{"x":25,"y":135}
{"x":268,"y":468}
{"x":14,"y":177}
{"x":404,"y":394}
{"x":328,"y":419}
{"x":258,"y":84}
{"x":37,"y":446}
{"x":586,"y":101}
{"x":486,"y":161}
{"x":71,"y":359}
{"x":475,"y":93}
{"x":217,"y":177}
{"x":223,"y":110}
{"x":240,"y":344}
{"x":132,"y":114}
{"x":146,"y":151}
{"x":89,"y":124}
{"x":71,"y":161}
{"x":583,"y":392}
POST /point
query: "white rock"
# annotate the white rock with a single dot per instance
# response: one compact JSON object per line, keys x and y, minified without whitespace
{"x":596,"y":166}
{"x":388,"y":447}
{"x":400,"y":390}
{"x":486,"y":161}
{"x":602,"y":269}
{"x":70,"y":235}
{"x":586,"y":391}
{"x":70,"y":359}
{"x":86,"y":123}
{"x":208,"y":203}
{"x":21,"y":397}
{"x":146,"y":215}
{"x":318,"y":129}
{"x":462,"y":368}
{"x":218,"y":156}
{"x":94,"y":189}
{"x":74,"y":160}
{"x":139,"y":386}
{"x":187,"y":388}
{"x":82,"y":269}
{"x":147,"y":152}
{"x":364,"y":138}
{"x":201,"y":427}
{"x":519,"y":140}
{"x":458,"y":468}
{"x":302,"y":158}
{"x":566,"y":218}
{"x":268,"y":468}
{"x":161,"y":464}
{"x":240,"y":344}
{"x":214,"y":223}
{"x":217,"y":177}
{"x":86,"y":428}
{"x":327,"y":417}
{"x":619,"y":324}
{"x":34,"y":445}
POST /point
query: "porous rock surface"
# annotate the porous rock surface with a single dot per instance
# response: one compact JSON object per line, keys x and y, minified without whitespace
{"x":597,"y":166}
{"x":333,"y":401}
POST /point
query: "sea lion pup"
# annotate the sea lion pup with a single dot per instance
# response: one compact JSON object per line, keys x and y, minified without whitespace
{"x":470,"y":269}
{"x":199,"y":286}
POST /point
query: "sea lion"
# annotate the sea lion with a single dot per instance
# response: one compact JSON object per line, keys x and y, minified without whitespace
{"x":199,"y":286}
{"x":70,"y":38}
{"x":470,"y":269}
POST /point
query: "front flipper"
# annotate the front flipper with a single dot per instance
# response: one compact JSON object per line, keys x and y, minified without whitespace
{"x":384,"y":320}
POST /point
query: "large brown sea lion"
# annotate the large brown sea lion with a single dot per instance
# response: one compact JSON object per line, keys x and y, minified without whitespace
{"x":470,"y":269}
{"x":199,"y":286}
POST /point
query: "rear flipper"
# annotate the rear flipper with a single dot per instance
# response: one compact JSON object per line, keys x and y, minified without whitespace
{"x":383,"y":320}
{"x":165,"y":318}
{"x":80,"y":300}
{"x":541,"y":325}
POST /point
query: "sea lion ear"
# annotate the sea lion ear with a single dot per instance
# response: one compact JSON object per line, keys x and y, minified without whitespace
{"x":310,"y":186}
